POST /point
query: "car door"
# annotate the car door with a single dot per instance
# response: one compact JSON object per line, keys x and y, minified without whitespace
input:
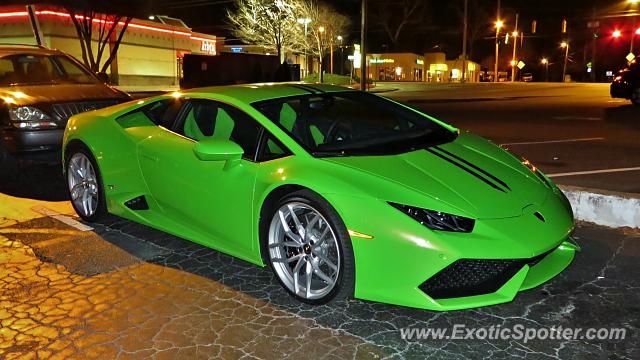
{"x":205,"y":196}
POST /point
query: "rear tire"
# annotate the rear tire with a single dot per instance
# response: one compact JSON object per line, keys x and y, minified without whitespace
{"x":309,"y":249}
{"x":84,"y":182}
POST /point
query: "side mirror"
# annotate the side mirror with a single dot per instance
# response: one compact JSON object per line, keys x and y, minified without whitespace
{"x":103,"y":76}
{"x":218,"y":150}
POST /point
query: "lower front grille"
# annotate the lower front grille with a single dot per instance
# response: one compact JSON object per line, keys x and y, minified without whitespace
{"x":63,"y":111}
{"x":469,"y":277}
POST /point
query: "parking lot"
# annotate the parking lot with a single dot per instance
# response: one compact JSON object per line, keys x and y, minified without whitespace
{"x":576,"y":133}
{"x":122,"y":290}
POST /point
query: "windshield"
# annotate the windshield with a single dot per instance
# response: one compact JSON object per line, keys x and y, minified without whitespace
{"x":32,"y":69}
{"x":353,"y":123}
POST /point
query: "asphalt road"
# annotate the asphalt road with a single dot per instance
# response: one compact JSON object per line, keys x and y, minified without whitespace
{"x":565,"y":129}
{"x":124,"y":291}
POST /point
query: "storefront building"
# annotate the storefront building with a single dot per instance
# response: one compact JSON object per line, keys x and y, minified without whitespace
{"x":430,"y":67}
{"x":150,"y":53}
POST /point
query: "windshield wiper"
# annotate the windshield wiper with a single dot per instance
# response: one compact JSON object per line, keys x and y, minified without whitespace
{"x":363,"y":144}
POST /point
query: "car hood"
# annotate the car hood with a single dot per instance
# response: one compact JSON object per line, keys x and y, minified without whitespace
{"x":58,"y":93}
{"x":470,"y":174}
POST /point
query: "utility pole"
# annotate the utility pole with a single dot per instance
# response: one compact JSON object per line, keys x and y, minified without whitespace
{"x":498,"y":26}
{"x":594,"y":45}
{"x":515,"y":46}
{"x":565,"y":45}
{"x":331,"y":50}
{"x":464,"y":41}
{"x":363,"y":47}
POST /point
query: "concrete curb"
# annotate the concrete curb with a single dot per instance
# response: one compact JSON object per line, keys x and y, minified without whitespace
{"x":606,"y":208}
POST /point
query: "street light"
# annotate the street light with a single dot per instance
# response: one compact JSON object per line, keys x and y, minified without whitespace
{"x":321,"y":48}
{"x":305,"y":22}
{"x":545,"y":62}
{"x":565,"y":45}
{"x":499,"y":25}
{"x":616,"y":34}
{"x":340,"y":38}
{"x":515,"y":47}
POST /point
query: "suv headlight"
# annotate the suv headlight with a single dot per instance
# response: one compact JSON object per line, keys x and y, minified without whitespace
{"x":29,"y":117}
{"x":436,"y":220}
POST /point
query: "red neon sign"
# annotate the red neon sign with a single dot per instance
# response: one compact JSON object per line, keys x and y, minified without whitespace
{"x":132,"y":24}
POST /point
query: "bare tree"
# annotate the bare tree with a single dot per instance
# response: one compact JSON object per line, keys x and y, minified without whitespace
{"x":270,"y":23}
{"x":396,"y":15}
{"x":327,"y":24}
{"x":103,"y":29}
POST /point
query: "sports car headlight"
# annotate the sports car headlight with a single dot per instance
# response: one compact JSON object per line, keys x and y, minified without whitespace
{"x":436,"y":220}
{"x":28,"y":117}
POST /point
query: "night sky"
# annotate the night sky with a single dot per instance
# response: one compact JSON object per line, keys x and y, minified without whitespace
{"x":440,"y":28}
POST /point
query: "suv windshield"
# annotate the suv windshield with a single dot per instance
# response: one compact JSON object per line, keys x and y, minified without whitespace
{"x":30,"y":69}
{"x":353,"y":123}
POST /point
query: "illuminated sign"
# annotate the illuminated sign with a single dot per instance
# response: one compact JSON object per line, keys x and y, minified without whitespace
{"x":419,"y":61}
{"x":438,"y":67}
{"x":357,"y":56}
{"x":208,"y":46}
{"x":381,"y":61}
{"x":236,"y":49}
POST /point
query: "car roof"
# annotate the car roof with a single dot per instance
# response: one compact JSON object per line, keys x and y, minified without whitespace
{"x":250,"y":93}
{"x":6,"y":50}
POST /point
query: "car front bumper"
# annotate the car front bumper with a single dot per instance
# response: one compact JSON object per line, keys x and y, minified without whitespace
{"x":35,"y":141}
{"x":403,"y":254}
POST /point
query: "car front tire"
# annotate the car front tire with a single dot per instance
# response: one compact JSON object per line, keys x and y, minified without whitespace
{"x":84,"y":181}
{"x":309,"y":249}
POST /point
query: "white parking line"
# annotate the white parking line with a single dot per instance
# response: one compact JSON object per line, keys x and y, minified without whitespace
{"x":604,"y":171}
{"x":62,"y":218}
{"x":553,"y":141}
{"x":580,"y":118}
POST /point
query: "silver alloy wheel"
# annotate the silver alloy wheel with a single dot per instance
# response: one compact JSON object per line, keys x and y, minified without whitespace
{"x":83,"y":184}
{"x":304,"y":250}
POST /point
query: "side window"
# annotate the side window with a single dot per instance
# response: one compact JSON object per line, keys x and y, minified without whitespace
{"x":271,"y":149}
{"x":7,"y":72}
{"x":162,"y":112}
{"x":209,"y":119}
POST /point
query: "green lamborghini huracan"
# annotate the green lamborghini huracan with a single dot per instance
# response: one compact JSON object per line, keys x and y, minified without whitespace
{"x":341,"y":192}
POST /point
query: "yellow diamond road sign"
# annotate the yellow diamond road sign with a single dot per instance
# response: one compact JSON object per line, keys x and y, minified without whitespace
{"x":630,"y":57}
{"x":521,"y":64}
